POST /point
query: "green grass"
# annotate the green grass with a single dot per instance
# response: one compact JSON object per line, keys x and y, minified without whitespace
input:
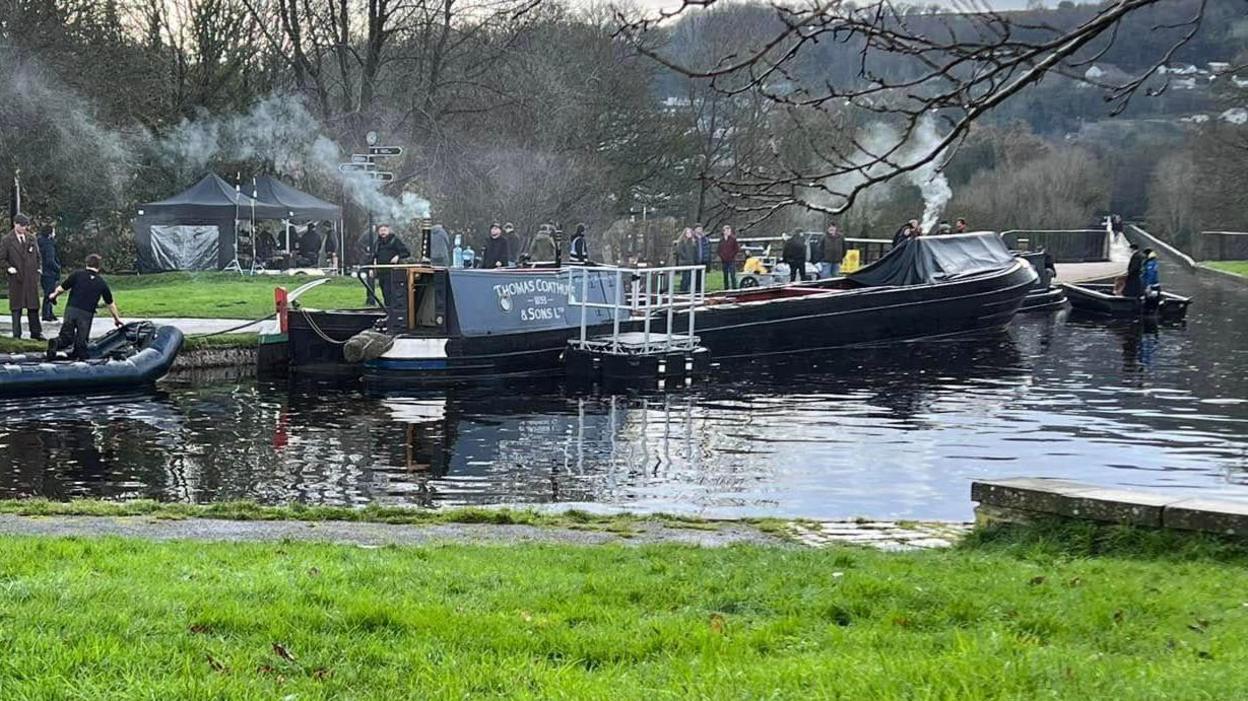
{"x":213,"y":295}
{"x":251,"y":511}
{"x":1010,"y":616}
{"x":193,"y":343}
{"x":1239,"y":267}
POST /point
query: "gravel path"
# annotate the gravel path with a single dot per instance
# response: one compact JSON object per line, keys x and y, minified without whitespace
{"x":375,"y":534}
{"x":883,"y":535}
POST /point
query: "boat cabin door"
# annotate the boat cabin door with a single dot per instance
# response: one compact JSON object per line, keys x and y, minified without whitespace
{"x":421,"y":301}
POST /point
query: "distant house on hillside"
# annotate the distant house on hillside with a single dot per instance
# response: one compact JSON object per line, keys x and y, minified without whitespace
{"x":1105,"y":74}
{"x":1218,"y":67}
{"x":1235,"y":115}
{"x":1179,"y":69}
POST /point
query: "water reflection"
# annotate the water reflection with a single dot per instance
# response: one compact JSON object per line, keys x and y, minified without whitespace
{"x":894,"y":431}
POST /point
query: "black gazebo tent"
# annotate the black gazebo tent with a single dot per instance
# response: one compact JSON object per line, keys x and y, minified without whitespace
{"x":196,"y":229}
{"x":301,"y":206}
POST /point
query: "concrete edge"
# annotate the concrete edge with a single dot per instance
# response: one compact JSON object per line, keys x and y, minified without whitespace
{"x":206,"y":358}
{"x":1017,"y":499}
{"x":1171,"y":250}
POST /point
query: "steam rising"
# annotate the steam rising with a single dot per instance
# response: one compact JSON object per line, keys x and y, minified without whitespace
{"x":280,"y":129}
{"x":878,"y":139}
{"x":928,"y":177}
{"x":102,"y":161}
{"x":34,"y":107}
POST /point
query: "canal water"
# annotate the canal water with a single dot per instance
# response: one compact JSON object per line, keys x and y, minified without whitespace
{"x":896,"y":432}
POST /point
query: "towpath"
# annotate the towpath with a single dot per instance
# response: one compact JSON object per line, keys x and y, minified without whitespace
{"x":885,"y":535}
{"x":103,"y":324}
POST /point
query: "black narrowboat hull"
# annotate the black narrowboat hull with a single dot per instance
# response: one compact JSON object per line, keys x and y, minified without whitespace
{"x":817,"y":318}
{"x":475,"y":357}
{"x":861,"y":316}
{"x":1099,"y":300}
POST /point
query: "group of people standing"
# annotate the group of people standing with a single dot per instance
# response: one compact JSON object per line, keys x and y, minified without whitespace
{"x":827,"y":253}
{"x":1142,"y":274}
{"x":30,"y":261}
{"x":694,"y":248}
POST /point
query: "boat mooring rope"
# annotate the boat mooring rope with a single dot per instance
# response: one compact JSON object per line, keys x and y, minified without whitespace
{"x":321,"y":333}
{"x":233,"y":328}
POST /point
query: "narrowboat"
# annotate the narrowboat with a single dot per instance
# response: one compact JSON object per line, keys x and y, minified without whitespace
{"x":459,"y":323}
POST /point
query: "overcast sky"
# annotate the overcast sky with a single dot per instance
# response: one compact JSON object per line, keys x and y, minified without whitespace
{"x":952,"y":4}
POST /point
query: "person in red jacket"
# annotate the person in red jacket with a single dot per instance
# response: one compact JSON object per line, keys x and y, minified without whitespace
{"x":729,"y":247}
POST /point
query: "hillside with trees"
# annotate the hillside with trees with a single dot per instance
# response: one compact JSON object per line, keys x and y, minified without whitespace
{"x":539,"y":112}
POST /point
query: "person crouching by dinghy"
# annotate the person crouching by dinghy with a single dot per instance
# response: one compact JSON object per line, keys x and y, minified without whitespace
{"x":86,"y":288}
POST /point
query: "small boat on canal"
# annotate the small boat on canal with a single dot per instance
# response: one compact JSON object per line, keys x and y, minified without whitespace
{"x":460,"y":323}
{"x":1100,"y":300}
{"x":130,"y":357}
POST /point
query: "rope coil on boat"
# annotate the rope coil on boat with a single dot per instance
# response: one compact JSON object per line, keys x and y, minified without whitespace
{"x":319,"y":332}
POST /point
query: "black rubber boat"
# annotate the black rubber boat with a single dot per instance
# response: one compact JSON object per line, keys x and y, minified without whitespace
{"x":1100,"y":300}
{"x":133,"y":356}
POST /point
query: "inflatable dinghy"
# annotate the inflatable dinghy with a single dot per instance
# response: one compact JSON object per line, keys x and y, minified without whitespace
{"x":128,"y":357}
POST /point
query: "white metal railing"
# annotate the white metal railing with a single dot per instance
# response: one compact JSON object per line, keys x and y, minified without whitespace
{"x":650,"y":293}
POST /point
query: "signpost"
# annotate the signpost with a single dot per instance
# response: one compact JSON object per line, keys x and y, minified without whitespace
{"x":365,"y":164}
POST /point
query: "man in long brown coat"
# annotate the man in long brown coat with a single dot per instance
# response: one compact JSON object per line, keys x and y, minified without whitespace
{"x":19,"y":259}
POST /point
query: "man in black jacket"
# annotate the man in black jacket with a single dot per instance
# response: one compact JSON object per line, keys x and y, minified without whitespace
{"x":794,"y":254}
{"x":388,"y":249}
{"x":578,"y":249}
{"x":51,"y":268}
{"x":497,"y":251}
{"x":1134,"y":286}
{"x":309,"y":247}
{"x":86,"y":288}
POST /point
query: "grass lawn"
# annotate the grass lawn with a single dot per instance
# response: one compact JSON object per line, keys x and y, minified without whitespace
{"x":213,"y":295}
{"x":1058,"y":614}
{"x":9,"y":344}
{"x":216,"y":295}
{"x":1239,"y":267}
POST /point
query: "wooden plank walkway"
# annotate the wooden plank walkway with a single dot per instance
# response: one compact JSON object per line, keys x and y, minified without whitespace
{"x":1021,"y":499}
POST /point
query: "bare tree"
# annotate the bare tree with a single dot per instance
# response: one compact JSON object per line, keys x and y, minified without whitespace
{"x":909,"y":67}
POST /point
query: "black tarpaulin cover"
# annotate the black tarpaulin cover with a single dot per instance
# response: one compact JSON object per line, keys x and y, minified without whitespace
{"x":300,"y":206}
{"x":213,"y":198}
{"x":929,"y":259}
